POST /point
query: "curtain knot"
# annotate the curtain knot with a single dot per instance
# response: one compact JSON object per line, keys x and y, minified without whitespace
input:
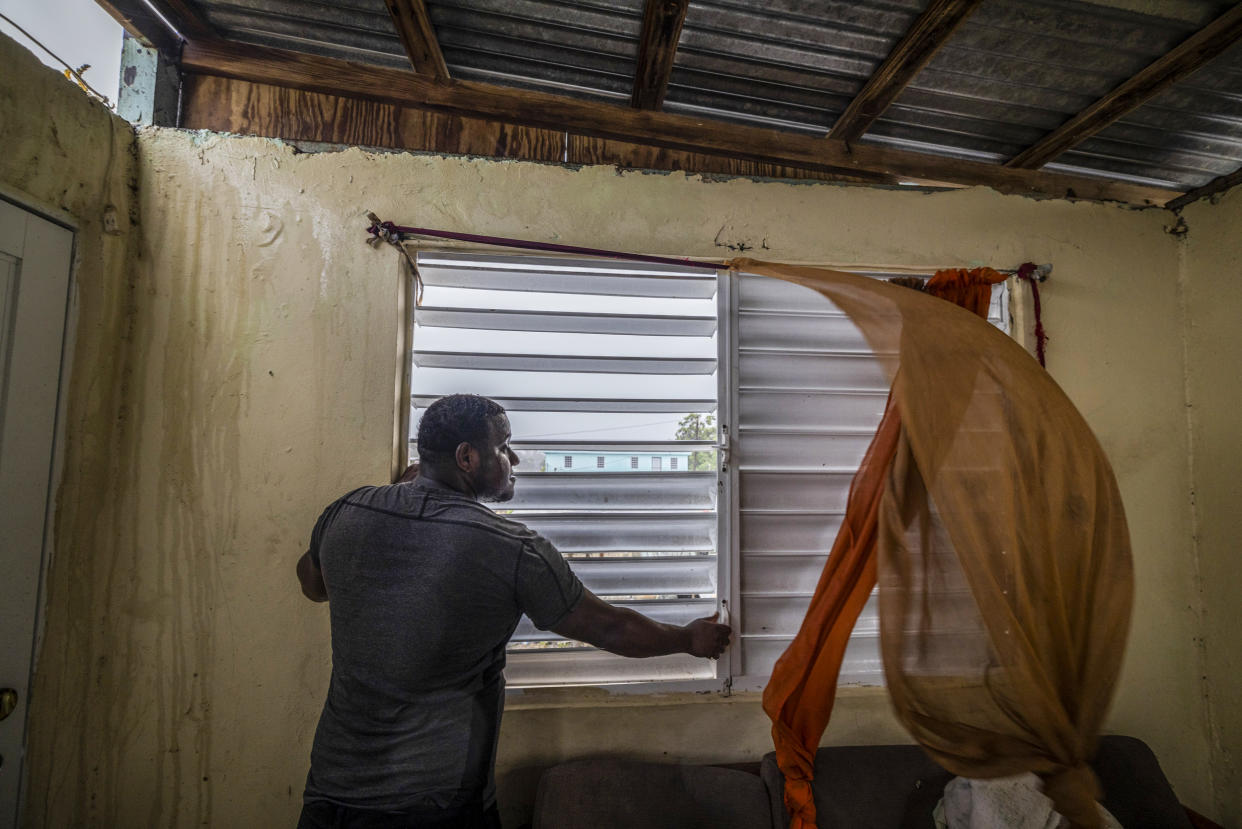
{"x":800,"y":802}
{"x":1074,"y":792}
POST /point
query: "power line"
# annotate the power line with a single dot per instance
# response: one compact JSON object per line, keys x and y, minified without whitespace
{"x":76,"y":75}
{"x":602,"y":429}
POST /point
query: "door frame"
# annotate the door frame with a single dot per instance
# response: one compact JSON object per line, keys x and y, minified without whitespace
{"x":23,"y":201}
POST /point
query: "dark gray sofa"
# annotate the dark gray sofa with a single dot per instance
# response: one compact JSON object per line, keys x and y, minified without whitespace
{"x":856,"y":787}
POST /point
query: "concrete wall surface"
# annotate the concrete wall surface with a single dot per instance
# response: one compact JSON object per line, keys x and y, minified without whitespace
{"x":1212,"y":277}
{"x":243,"y":378}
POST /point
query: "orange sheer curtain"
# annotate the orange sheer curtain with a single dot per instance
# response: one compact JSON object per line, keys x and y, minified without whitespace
{"x":983,"y":482}
{"x":802,"y":689}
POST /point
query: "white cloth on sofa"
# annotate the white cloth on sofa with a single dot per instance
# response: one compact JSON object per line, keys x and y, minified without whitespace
{"x":1016,"y":802}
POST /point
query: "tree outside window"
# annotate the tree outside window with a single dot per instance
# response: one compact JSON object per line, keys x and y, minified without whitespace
{"x":698,"y":426}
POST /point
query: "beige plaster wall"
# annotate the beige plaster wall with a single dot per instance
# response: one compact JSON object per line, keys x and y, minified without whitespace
{"x":262,"y":362}
{"x":69,"y":157}
{"x":1213,"y":287}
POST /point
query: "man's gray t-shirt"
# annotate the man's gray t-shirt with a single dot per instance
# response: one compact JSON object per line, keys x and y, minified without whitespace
{"x":425,"y":587}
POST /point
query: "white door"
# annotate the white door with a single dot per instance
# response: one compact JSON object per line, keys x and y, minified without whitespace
{"x":35,"y":257}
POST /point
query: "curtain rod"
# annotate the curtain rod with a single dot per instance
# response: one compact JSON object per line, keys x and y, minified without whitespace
{"x":395,"y":234}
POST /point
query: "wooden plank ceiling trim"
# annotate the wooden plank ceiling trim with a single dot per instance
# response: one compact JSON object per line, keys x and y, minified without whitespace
{"x":228,"y":105}
{"x":657,"y":48}
{"x":930,"y":31}
{"x":586,"y":149}
{"x":538,"y":109}
{"x":418,"y":37}
{"x":1184,"y":59}
{"x":1217,"y":185}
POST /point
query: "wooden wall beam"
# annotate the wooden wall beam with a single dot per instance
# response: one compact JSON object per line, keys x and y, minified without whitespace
{"x":930,"y":31}
{"x":1184,"y":59}
{"x":418,"y":37}
{"x":539,"y":109}
{"x":657,"y":48}
{"x":586,"y":149}
{"x":1217,"y":185}
{"x":245,"y":108}
{"x":227,"y":105}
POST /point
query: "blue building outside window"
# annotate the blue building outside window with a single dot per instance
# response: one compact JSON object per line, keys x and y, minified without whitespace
{"x":603,"y":461}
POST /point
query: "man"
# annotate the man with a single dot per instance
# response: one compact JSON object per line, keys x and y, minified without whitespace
{"x":425,"y":586}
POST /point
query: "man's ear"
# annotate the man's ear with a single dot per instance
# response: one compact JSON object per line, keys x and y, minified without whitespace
{"x":467,"y":457}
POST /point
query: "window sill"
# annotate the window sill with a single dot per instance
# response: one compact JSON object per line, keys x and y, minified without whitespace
{"x":642,"y":694}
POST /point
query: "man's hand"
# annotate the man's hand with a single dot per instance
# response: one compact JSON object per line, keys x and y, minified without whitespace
{"x":708,"y":638}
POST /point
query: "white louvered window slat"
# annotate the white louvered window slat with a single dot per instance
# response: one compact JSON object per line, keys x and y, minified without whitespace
{"x":598,"y":364}
{"x":809,"y":396}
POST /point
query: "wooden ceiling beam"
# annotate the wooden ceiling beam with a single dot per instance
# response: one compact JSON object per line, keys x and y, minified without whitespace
{"x":418,"y":37}
{"x":930,"y":31}
{"x":540,"y":109}
{"x":137,"y":18}
{"x":1184,"y":59}
{"x":186,"y":18}
{"x":657,"y":48}
{"x":142,"y":24}
{"x":1217,"y":185}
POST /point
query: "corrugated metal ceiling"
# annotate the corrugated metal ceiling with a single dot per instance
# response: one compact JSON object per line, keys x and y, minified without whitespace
{"x":1011,"y":73}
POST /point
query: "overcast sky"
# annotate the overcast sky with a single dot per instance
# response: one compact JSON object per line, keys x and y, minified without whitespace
{"x":79,"y":31}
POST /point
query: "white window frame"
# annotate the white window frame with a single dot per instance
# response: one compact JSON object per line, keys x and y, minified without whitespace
{"x":706,"y":669}
{"x":729,"y":677}
{"x":738,"y":681}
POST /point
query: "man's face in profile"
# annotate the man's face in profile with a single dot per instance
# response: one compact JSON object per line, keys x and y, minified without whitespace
{"x":495,"y":480}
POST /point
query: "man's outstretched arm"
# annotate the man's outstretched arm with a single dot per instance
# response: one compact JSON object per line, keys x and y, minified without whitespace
{"x":311,"y":579}
{"x":628,"y":633}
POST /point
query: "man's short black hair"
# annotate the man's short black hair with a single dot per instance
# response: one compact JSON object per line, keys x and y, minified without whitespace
{"x":452,"y":420}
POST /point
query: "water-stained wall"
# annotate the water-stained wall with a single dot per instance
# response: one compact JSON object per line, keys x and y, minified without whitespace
{"x":1213,"y":286}
{"x":69,"y":157}
{"x":260,"y":386}
{"x":253,"y":379}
